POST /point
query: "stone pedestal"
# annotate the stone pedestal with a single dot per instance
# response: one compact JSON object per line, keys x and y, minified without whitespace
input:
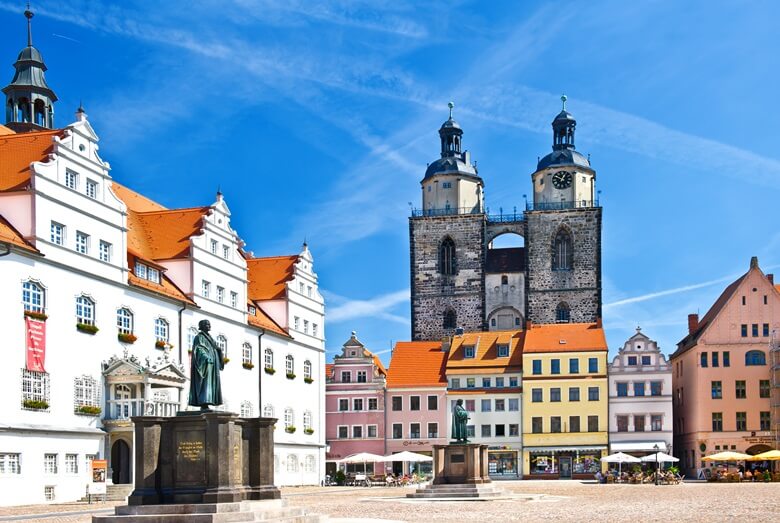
{"x":203,"y":457}
{"x":460,"y":463}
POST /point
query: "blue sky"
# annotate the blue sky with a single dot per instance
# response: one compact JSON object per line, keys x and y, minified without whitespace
{"x":317,"y":120}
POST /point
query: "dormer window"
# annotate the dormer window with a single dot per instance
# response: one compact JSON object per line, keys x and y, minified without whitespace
{"x":252,"y":310}
{"x":147,"y":273}
{"x":503,"y":351}
{"x":468,"y":352}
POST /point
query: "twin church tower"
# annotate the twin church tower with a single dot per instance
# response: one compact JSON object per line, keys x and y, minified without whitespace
{"x":460,"y":281}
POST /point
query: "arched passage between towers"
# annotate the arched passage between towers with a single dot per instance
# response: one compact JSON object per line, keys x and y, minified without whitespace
{"x":505,"y":281}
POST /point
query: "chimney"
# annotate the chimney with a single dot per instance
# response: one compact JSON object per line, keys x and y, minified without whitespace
{"x":771,"y":278}
{"x":693,"y":323}
{"x":528,"y":324}
{"x":446,"y":343}
{"x":754,"y":262}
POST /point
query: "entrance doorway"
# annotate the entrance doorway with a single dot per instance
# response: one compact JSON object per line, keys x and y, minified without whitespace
{"x":120,"y":462}
{"x":565,"y":463}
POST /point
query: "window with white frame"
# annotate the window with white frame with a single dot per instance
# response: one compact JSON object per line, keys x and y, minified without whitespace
{"x":307,"y":369}
{"x":57,"y":233}
{"x":309,"y":464}
{"x":85,"y":310}
{"x":214,"y":245}
{"x":314,"y":329}
{"x":268,"y":358}
{"x":252,"y":310}
{"x":296,"y":323}
{"x":33,"y":297}
{"x":50,"y":463}
{"x":288,"y":418}
{"x":289,"y":364}
{"x":220,"y":294}
{"x":343,"y":431}
{"x":124,"y":321}
{"x":161,"y":330}
{"x":233,"y":299}
{"x":86,"y":392}
{"x":191,"y":333}
{"x":82,"y":242}
{"x":10,"y":463}
{"x":71,"y":463}
{"x":205,"y":289}
{"x":226,"y":252}
{"x":48,"y":493}
{"x":222,"y":344}
{"x":306,"y":326}
{"x":307,"y":420}
{"x":357,"y":431}
{"x":153,"y":275}
{"x":268,"y":411}
{"x":35,"y":386}
{"x":300,"y":287}
{"x":246,"y":409}
{"x":71,"y":180}
{"x":91,"y":189}
{"x":104,"y":251}
{"x":246,"y":353}
{"x":371,"y":431}
{"x":292,"y":463}
{"x":140,"y":270}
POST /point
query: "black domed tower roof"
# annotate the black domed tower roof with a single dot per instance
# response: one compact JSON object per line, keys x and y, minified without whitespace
{"x":563,"y":142}
{"x":453,"y":159}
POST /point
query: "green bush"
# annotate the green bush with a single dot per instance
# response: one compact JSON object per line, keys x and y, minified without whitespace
{"x":340,"y":477}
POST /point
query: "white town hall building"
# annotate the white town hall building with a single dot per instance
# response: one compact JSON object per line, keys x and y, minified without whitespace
{"x":102,"y":292}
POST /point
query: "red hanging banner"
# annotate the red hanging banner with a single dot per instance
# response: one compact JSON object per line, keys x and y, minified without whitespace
{"x":36,"y":344}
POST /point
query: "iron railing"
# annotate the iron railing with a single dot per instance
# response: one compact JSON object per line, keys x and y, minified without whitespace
{"x":447,"y":211}
{"x":558,"y":206}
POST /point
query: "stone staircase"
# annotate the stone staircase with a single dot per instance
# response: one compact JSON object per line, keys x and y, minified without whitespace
{"x":275,"y":510}
{"x":453,"y":492}
{"x":113,"y":493}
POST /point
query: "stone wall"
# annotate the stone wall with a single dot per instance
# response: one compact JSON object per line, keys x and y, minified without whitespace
{"x":580,"y":287}
{"x":432,"y":292}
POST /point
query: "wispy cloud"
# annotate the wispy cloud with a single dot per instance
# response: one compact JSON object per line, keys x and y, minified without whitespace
{"x":377,"y":307}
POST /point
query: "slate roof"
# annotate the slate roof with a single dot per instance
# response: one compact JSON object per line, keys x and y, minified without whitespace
{"x":509,"y":259}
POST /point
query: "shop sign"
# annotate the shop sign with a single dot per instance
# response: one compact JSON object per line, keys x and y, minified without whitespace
{"x":417,"y":442}
{"x":35,"y":340}
{"x":99,"y":472}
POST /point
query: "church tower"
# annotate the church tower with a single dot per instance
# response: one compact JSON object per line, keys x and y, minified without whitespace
{"x":447,"y":238}
{"x":563,"y":242}
{"x":29,"y":103}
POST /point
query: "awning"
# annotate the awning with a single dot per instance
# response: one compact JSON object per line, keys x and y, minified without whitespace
{"x":584,"y":448}
{"x":638,"y":446}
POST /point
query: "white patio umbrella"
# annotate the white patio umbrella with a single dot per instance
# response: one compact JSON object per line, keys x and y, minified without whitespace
{"x":362,"y":457}
{"x":620,"y":458}
{"x":659,"y":457}
{"x":407,"y":457}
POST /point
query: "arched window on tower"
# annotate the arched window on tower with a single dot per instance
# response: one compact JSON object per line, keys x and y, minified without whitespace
{"x":562,"y":313}
{"x":447,"y":257}
{"x":450,"y":319}
{"x":563,"y":252}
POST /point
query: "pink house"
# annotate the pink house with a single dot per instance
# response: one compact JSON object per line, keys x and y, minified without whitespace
{"x":721,"y":374}
{"x":355,"y":404}
{"x":416,"y":400}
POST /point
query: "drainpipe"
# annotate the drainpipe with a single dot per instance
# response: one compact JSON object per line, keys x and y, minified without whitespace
{"x":181,"y":333}
{"x":260,"y":361}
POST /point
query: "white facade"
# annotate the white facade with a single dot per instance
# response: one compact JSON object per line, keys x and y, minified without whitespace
{"x":505,"y":300}
{"x":640,"y":398}
{"x":79,"y":225}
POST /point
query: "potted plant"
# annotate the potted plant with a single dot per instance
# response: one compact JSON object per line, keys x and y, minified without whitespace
{"x":308,"y":380}
{"x":340,"y":477}
{"x":308,"y":431}
{"x":126,"y":337}
{"x":290,"y":429}
{"x":86,"y":328}
{"x":35,"y":404}
{"x":248,"y":365}
{"x":225,"y":361}
{"x":290,"y":375}
{"x":160,"y":344}
{"x":269,"y":370}
{"x":89,"y":410}
{"x":36,"y":315}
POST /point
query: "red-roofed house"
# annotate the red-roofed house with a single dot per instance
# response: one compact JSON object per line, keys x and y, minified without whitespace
{"x":417,"y":401}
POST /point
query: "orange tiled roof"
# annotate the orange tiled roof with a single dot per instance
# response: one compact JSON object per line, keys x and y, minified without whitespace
{"x":9,"y":234}
{"x":264,"y":321}
{"x":268,"y":276}
{"x":328,"y":371}
{"x":565,"y":337}
{"x":417,"y":364}
{"x":166,"y":287}
{"x":163,"y":235}
{"x":380,"y":367}
{"x":134,"y":201}
{"x":486,"y":350}
{"x":18,"y":151}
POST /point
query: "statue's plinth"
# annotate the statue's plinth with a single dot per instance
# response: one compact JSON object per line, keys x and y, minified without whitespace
{"x":460,"y":463}
{"x":203,"y":457}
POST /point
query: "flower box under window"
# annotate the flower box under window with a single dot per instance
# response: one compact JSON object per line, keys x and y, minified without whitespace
{"x":247,"y":365}
{"x":126,"y":337}
{"x":308,"y":380}
{"x":225,"y":361}
{"x":289,"y":430}
{"x":86,"y":328}
{"x":290,"y":375}
{"x":160,"y":344}
{"x":89,"y":410}
{"x":36,"y":315}
{"x":308,"y":431}
{"x":270,"y":370}
{"x":35,"y":404}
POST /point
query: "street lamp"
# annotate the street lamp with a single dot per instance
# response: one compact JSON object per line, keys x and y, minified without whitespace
{"x":657,"y":463}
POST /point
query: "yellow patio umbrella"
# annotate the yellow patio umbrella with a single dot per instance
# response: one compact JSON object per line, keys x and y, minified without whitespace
{"x":769,"y":455}
{"x":727,"y":456}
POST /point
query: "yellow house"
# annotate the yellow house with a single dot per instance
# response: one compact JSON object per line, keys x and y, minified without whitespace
{"x":565,"y":399}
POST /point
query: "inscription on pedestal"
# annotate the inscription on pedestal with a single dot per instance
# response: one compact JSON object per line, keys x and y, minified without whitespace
{"x":190,"y":456}
{"x":457,"y":458}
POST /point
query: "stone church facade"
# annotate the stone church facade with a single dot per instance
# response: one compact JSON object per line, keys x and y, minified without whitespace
{"x":459,"y":281}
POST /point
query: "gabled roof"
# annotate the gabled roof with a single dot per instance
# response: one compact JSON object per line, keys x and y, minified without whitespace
{"x":268,"y":277}
{"x":262,"y":320}
{"x":9,"y":234}
{"x":417,"y":364}
{"x":166,"y":287}
{"x":486,"y":350}
{"x":377,"y":362}
{"x":164,"y":235}
{"x":135,"y":201}
{"x":565,"y":337}
{"x":18,"y":151}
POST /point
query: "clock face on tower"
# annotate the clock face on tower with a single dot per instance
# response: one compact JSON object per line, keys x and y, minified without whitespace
{"x":562,"y":180}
